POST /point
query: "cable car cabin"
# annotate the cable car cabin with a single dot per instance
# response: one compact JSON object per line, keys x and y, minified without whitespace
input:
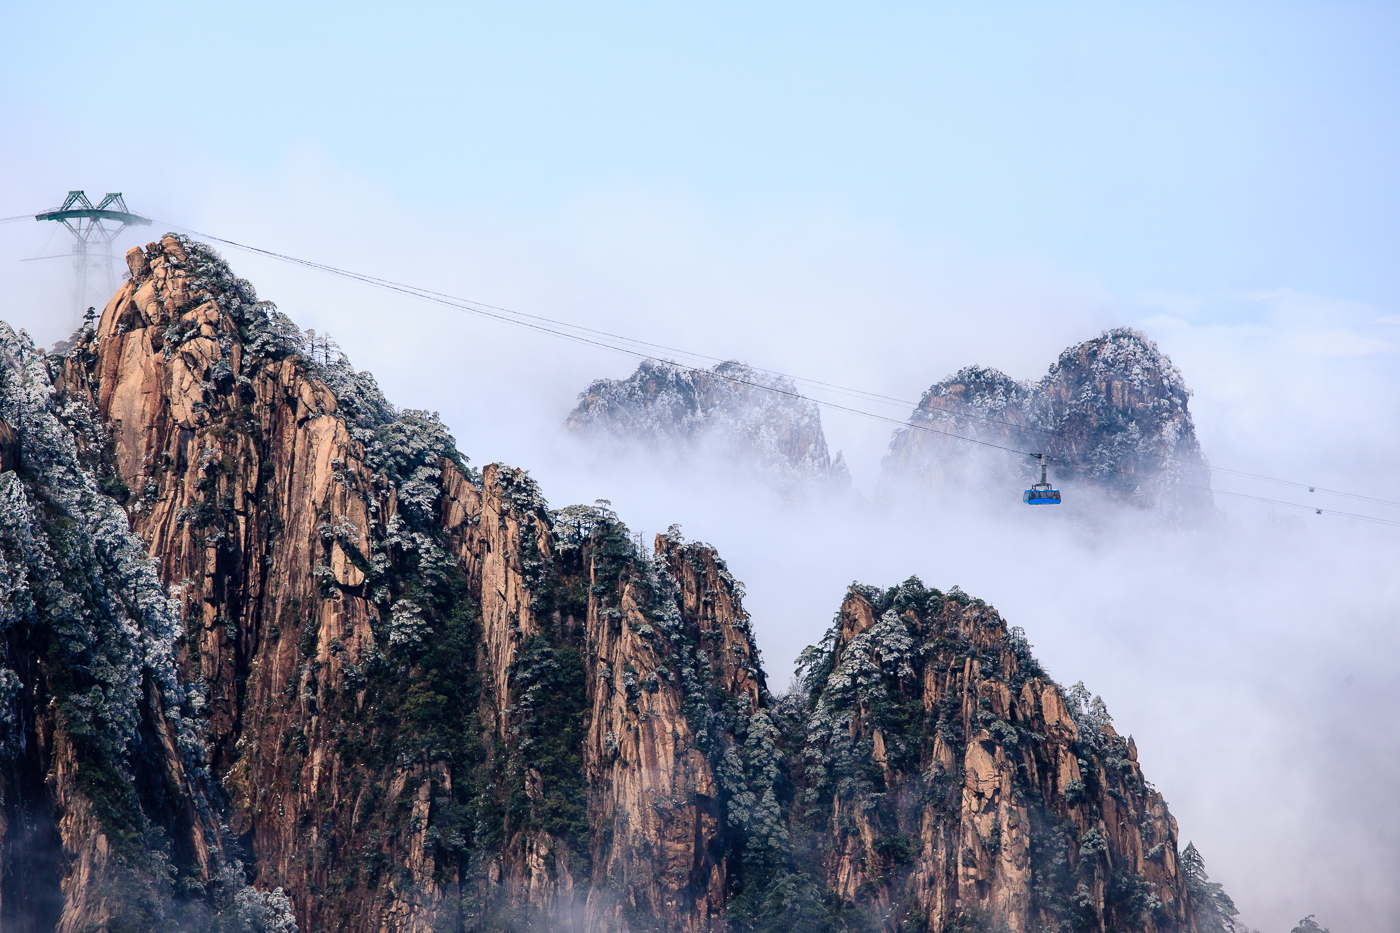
{"x":1040,"y":493}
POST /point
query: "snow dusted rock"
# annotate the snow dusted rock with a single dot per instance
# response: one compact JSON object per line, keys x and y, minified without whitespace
{"x":951,"y":785}
{"x":427,"y":701}
{"x":739,"y":413}
{"x":251,"y":607}
{"x":105,"y":793}
{"x":1112,"y":412}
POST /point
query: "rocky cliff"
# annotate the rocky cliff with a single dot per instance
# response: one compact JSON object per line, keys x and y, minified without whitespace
{"x":426,"y":705}
{"x":109,"y":817}
{"x":1113,"y":413}
{"x":750,"y":418}
{"x":359,"y":685}
{"x":948,"y":780}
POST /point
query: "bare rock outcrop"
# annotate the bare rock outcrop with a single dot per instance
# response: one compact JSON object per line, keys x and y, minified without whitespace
{"x":424,"y":703}
{"x":256,"y":501}
{"x":953,"y":782}
{"x":103,"y":784}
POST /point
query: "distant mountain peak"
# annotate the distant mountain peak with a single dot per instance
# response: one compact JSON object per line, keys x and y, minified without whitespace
{"x":751,"y":416}
{"x":979,"y":386}
{"x":1112,"y":411}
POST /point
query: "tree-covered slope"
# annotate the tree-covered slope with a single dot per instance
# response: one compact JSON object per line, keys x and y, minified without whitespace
{"x":109,"y":818}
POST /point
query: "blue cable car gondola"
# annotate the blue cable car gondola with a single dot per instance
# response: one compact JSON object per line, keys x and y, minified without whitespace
{"x":1040,"y":493}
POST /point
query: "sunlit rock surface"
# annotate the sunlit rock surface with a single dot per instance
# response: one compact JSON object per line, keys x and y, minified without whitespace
{"x":944,"y":776}
{"x":108,"y":808}
{"x":360,"y":685}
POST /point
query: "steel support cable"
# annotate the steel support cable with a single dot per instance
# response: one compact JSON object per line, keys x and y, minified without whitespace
{"x":1309,"y":487}
{"x":468,"y":304}
{"x":52,"y":233}
{"x":522,"y":319}
{"x":1223,"y":492}
{"x":10,"y":220}
{"x":423,"y":294}
{"x":450,"y":301}
{"x":1296,"y":505}
{"x":455,"y":301}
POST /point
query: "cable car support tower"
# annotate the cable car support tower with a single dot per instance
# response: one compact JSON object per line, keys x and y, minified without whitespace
{"x":94,"y":229}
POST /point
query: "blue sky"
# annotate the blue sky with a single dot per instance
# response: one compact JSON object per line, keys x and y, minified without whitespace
{"x":1183,"y":147}
{"x":793,"y":184}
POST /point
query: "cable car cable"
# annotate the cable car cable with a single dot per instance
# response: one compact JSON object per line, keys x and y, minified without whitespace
{"x":508,"y":316}
{"x":461,"y":304}
{"x":455,"y":301}
{"x":511,"y":317}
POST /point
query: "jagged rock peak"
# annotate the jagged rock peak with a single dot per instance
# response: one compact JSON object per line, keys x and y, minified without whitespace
{"x":755,"y":418}
{"x":428,"y":699}
{"x":951,"y":784}
{"x":360,"y":687}
{"x":1112,"y":411}
{"x":1125,"y":354}
{"x":979,"y":387}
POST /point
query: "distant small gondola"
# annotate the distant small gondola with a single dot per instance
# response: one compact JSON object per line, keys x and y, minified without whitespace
{"x":1040,"y":493}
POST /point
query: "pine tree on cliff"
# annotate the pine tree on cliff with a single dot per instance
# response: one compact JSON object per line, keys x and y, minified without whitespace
{"x":1215,"y":911}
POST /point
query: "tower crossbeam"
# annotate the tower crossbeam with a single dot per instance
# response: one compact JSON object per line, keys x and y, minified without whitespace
{"x":94,"y":229}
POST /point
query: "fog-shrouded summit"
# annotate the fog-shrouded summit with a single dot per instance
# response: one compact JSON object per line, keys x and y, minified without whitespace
{"x":1112,"y":412}
{"x":746,"y":416}
{"x":279,"y":659}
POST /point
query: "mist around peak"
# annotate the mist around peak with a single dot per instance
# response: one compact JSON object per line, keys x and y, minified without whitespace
{"x":1111,"y":414}
{"x":1224,"y":645}
{"x":758,"y":421}
{"x":1219,"y":649}
{"x":1203,"y":638}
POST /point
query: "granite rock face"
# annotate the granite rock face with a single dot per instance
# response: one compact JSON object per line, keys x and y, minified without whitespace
{"x":424,"y":707}
{"x":949,"y":779}
{"x":107,"y":804}
{"x":749,"y":417}
{"x":1113,"y":413}
{"x":278,"y":659}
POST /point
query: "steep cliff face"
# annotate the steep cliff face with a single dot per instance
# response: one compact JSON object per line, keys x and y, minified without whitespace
{"x":1113,"y":413}
{"x":613,"y":681}
{"x":107,"y":815}
{"x":953,"y":783}
{"x":295,"y":563}
{"x":751,"y":418}
{"x":424,"y":706}
{"x":412,"y":696}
